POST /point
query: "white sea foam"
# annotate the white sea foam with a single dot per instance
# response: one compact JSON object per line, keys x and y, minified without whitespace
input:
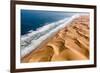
{"x":33,"y":39}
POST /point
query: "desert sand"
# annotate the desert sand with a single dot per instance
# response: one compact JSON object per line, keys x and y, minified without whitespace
{"x":70,"y":43}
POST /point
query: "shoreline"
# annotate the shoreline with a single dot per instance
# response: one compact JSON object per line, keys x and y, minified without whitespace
{"x":46,"y":40}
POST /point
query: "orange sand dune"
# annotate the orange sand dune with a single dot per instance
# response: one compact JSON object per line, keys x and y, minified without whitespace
{"x":70,"y":43}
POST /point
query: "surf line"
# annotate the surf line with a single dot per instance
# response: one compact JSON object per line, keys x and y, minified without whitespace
{"x":32,"y":40}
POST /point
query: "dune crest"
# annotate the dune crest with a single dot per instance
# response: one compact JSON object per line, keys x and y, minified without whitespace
{"x":70,"y":43}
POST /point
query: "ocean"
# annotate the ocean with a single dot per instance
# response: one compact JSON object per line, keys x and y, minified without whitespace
{"x":31,"y":20}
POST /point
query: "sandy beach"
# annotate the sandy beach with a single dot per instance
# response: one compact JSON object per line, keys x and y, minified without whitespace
{"x":70,"y":43}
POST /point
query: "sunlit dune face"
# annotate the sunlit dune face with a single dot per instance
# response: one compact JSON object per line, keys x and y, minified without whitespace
{"x":69,"y":44}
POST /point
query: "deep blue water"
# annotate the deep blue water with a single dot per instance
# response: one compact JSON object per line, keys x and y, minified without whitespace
{"x":33,"y":19}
